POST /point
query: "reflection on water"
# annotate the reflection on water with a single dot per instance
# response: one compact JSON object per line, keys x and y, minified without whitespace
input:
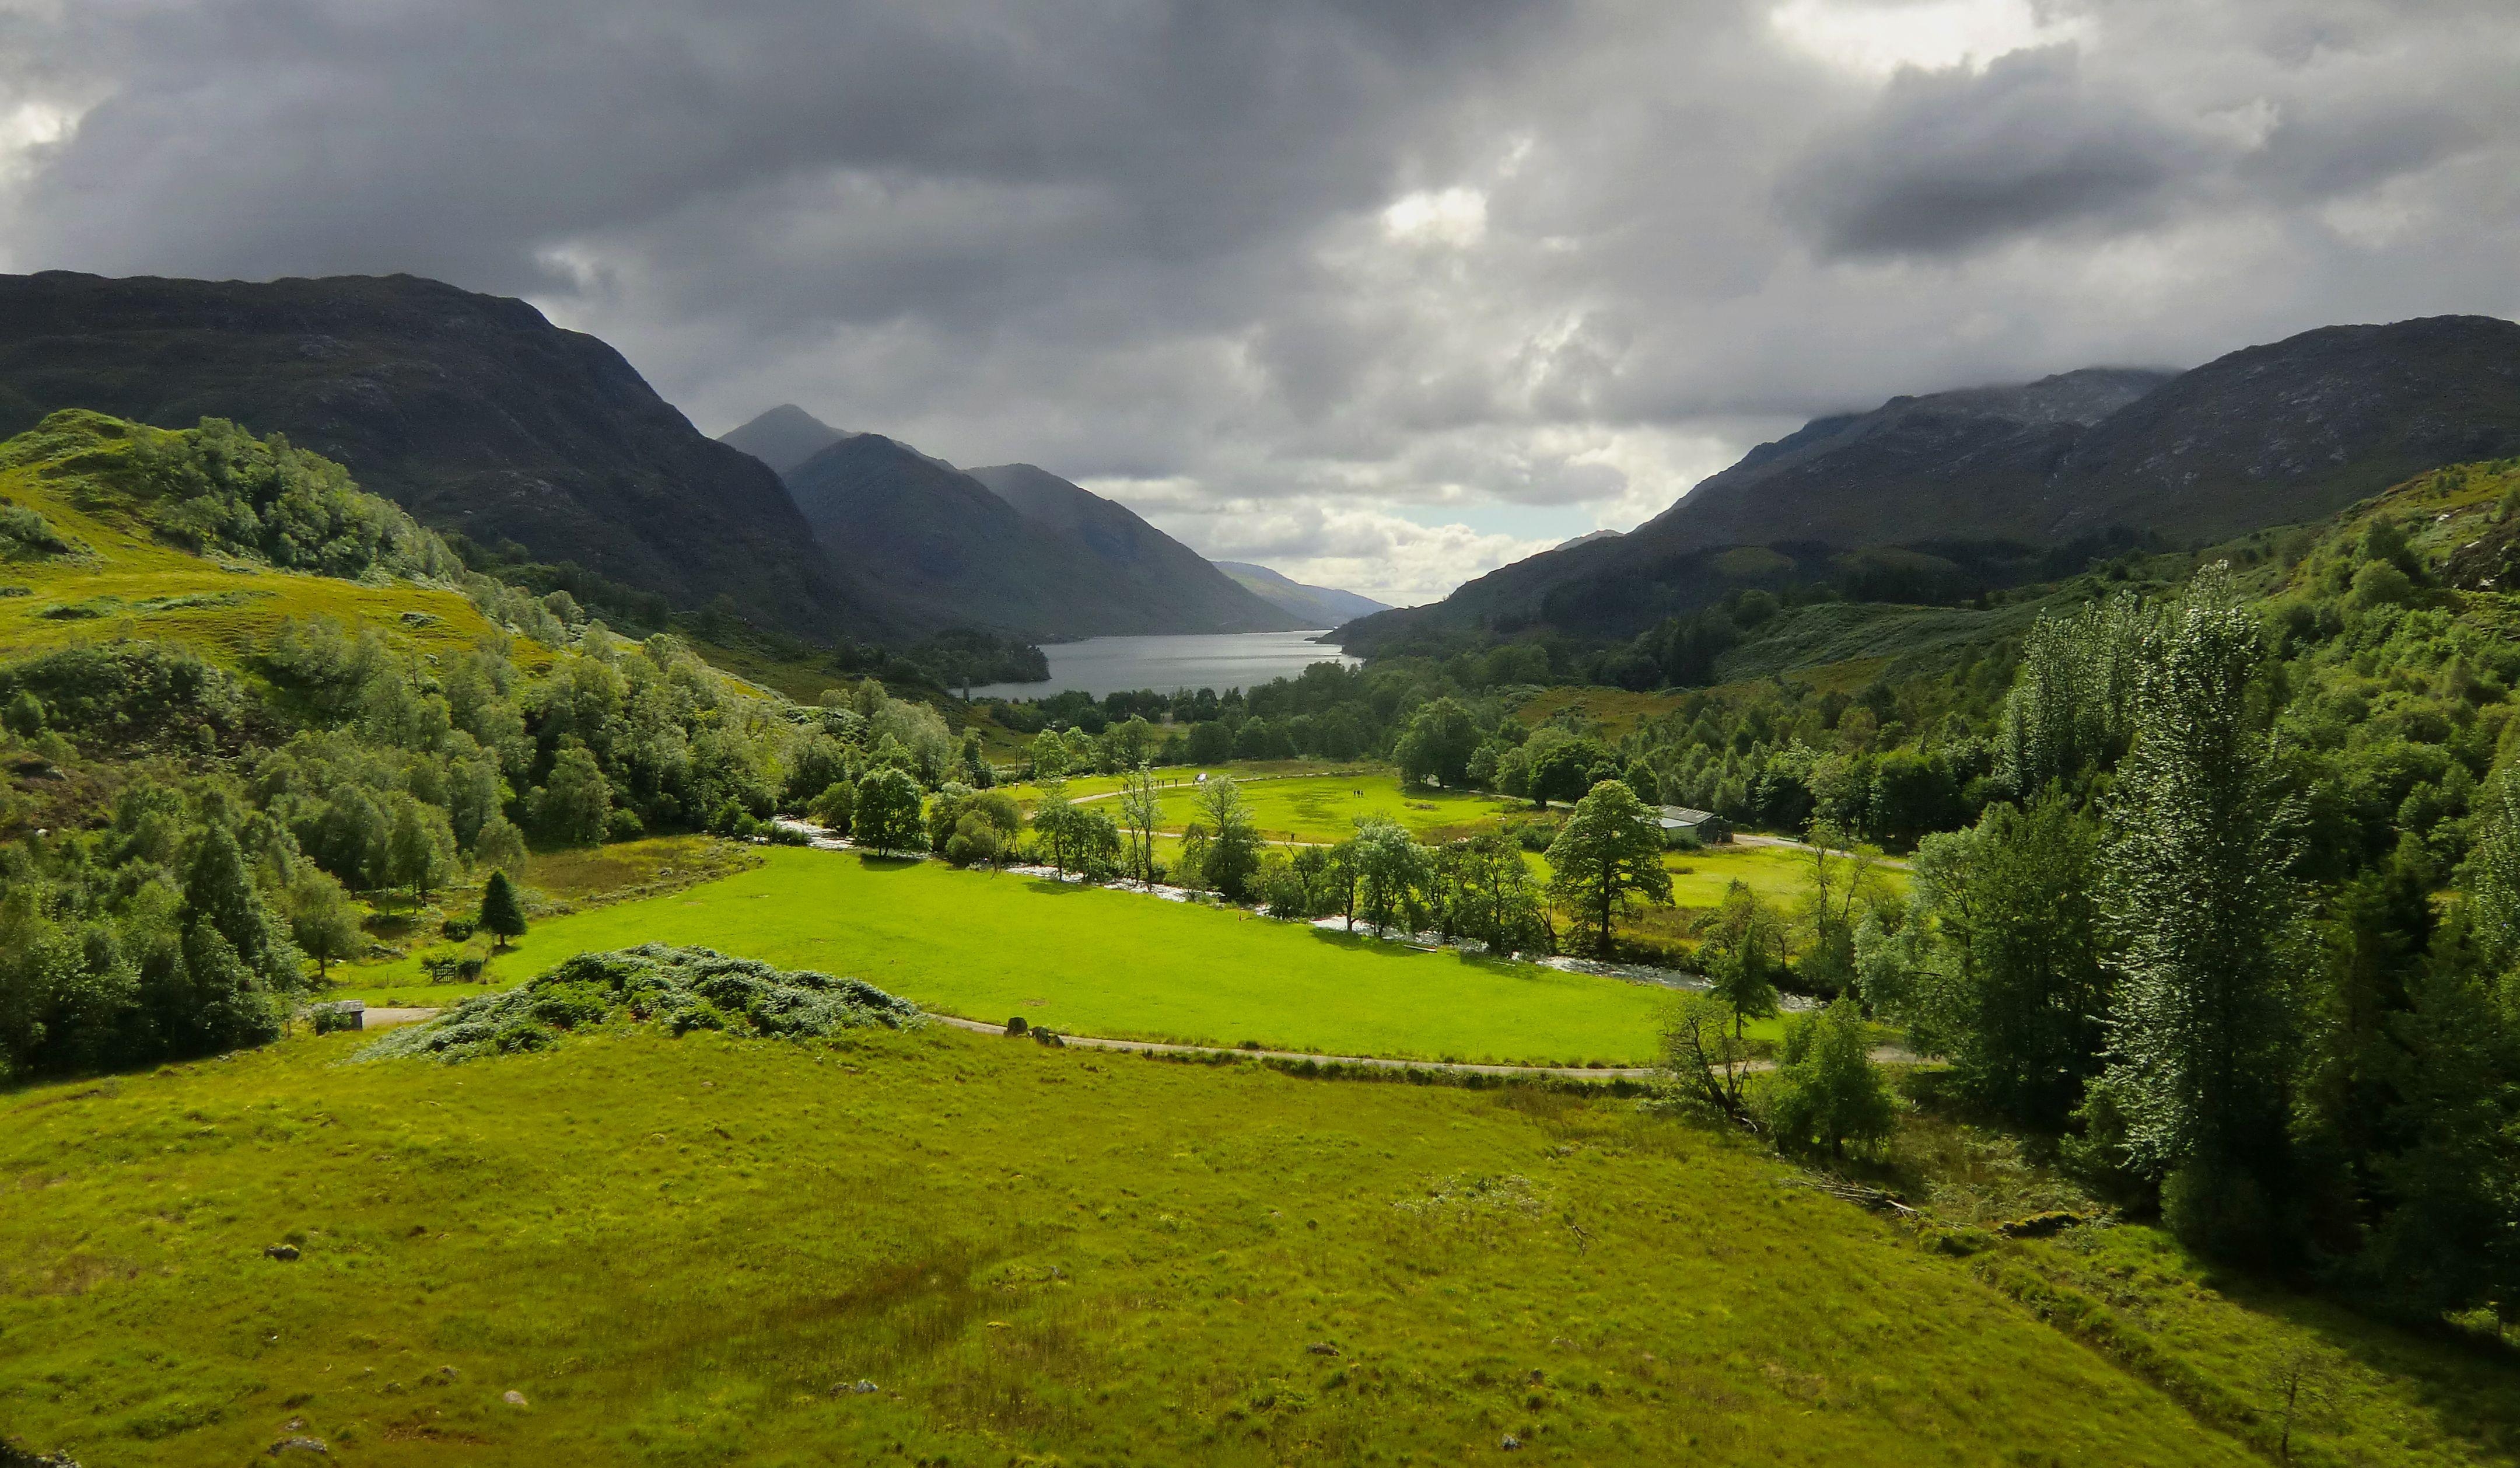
{"x":1118,"y":664}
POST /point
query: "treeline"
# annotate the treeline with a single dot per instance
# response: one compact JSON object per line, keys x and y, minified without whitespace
{"x":2239,"y":923}
{"x":1604,"y":859}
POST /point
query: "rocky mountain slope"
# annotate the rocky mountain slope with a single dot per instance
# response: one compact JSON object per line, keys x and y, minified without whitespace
{"x":471,"y":411}
{"x":1931,"y":496}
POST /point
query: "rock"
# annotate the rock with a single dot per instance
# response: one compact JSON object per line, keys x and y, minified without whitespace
{"x":514,"y":1398}
{"x":284,"y":1253}
{"x":300,"y":1445}
{"x":863,"y":1389}
{"x":1509,"y":1445}
{"x":2040,"y":1225}
{"x":1322,"y":1347}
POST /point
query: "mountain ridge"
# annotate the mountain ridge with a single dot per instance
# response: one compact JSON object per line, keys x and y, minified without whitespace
{"x":1030,"y":553}
{"x":1940,"y":494}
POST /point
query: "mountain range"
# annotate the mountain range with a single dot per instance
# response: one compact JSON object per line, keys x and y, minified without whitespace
{"x":543,"y":445}
{"x":471,"y":411}
{"x":1010,"y":546}
{"x":1927,"y":497}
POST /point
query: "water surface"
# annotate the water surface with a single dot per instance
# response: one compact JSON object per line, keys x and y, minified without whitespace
{"x":1101,"y":665}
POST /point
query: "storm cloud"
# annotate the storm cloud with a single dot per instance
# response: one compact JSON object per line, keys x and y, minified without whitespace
{"x":1381,"y":294}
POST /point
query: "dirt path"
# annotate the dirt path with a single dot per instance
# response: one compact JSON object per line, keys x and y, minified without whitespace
{"x":1375,"y":1062}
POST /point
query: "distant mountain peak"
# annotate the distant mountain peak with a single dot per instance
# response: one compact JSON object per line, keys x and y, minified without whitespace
{"x":1319,"y":606}
{"x":784,"y":437}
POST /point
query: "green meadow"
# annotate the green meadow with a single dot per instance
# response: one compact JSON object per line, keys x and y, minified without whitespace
{"x":993,"y":945}
{"x":938,"y":1248}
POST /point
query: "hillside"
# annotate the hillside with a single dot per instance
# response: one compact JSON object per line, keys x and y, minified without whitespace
{"x":471,"y":411}
{"x":1940,"y":496}
{"x":116,"y":577}
{"x":1320,"y":606}
{"x":1012,"y":547}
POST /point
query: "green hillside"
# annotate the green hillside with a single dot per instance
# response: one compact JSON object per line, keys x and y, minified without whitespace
{"x":119,"y":577}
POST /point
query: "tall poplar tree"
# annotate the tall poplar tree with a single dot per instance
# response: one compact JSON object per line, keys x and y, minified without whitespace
{"x":2202,"y":894}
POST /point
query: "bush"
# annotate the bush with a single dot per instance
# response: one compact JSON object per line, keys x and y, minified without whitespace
{"x":126,"y":693}
{"x":680,"y":988}
{"x":457,"y":928}
{"x":26,"y":533}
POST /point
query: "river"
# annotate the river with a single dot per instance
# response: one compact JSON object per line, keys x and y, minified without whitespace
{"x":1101,"y":665}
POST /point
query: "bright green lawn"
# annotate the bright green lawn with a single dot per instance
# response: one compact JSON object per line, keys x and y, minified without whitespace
{"x":1326,"y":807}
{"x":687,"y":1251}
{"x":1098,"y":962}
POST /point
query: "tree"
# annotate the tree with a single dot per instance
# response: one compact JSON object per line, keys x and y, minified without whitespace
{"x":1704,"y":1055}
{"x":500,"y":846}
{"x":1048,"y":756}
{"x":322,"y":921}
{"x":420,"y":850}
{"x":1487,"y":894}
{"x":1141,"y":810}
{"x":1744,"y":952}
{"x":1437,"y":746}
{"x":575,"y":801}
{"x":986,"y":824}
{"x":885,"y":812}
{"x":1233,"y":854}
{"x":219,"y":893}
{"x":1608,"y":854}
{"x":1840,"y":876}
{"x":1561,"y":765}
{"x":1391,"y":872}
{"x":2202,"y":892}
{"x":1054,"y":821}
{"x":1828,"y":1091}
{"x":503,"y":916}
{"x":833,"y":808}
{"x":2015,"y":991}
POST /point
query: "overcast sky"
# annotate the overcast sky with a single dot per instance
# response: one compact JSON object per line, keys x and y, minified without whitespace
{"x":1382,"y":294}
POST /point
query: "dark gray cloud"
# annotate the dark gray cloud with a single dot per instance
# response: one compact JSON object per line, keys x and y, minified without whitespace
{"x":1957,"y":159}
{"x":1387,"y":293}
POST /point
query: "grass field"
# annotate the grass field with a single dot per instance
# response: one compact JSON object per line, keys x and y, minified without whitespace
{"x":1098,"y":962}
{"x":1326,"y":807}
{"x":939,"y":1248}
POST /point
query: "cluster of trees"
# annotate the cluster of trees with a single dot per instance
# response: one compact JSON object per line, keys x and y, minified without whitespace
{"x":2201,"y":935}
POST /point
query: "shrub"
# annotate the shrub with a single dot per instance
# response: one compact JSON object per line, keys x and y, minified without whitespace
{"x":680,"y":988}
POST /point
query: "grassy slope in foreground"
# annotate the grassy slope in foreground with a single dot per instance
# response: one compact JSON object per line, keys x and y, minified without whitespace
{"x":687,"y":1251}
{"x":1098,"y":962}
